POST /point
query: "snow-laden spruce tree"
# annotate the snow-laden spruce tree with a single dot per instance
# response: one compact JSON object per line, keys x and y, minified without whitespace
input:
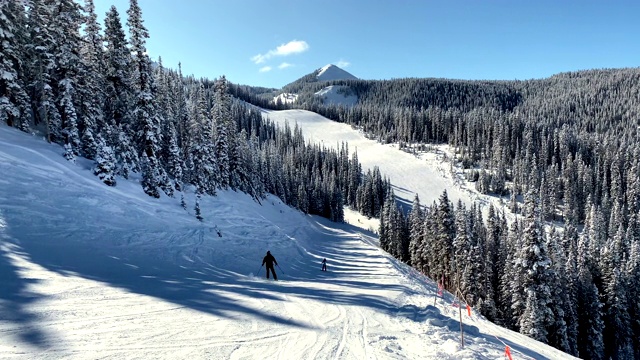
{"x":118,"y":88}
{"x":91,"y":83}
{"x":632,"y":270}
{"x":41,"y":67}
{"x":589,"y":307}
{"x":66,"y":20}
{"x":618,"y":334}
{"x":493,"y":266}
{"x":444,"y":232}
{"x":561,"y":304}
{"x":145,"y":116}
{"x":105,"y":167}
{"x":201,"y":164}
{"x":224,"y":129}
{"x":14,"y":101}
{"x":463,"y":254}
{"x":534,"y":266}
{"x":416,"y":221}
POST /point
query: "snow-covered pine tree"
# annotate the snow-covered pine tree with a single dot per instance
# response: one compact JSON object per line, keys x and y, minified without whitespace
{"x":14,"y":101}
{"x":336,"y":202}
{"x":40,"y":51}
{"x":149,"y":176}
{"x":492,"y":267}
{"x":174,"y":158}
{"x":400,"y":235}
{"x":245,"y":165}
{"x":617,"y":334}
{"x":462,"y":253}
{"x":180,"y":110}
{"x":118,"y":88}
{"x":386,"y":224}
{"x":512,"y":293}
{"x":72,"y":143}
{"x":91,"y":83}
{"x":425,"y":248}
{"x":105,"y":163}
{"x":444,"y":233}
{"x":145,"y":116}
{"x":478,"y":241}
{"x":126,"y":154}
{"x":416,"y":221}
{"x":589,"y":308}
{"x":223,"y":129}
{"x":355,"y":179}
{"x":366,"y":196}
{"x":570,"y":246}
{"x":633,"y":190}
{"x":256,"y":168}
{"x":201,"y":163}
{"x":560,"y":304}
{"x":632,"y":270}
{"x":534,"y":266}
{"x":197,"y":207}
{"x":617,"y":337}
{"x":66,"y":19}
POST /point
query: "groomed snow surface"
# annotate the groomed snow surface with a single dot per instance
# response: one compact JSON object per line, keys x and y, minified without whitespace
{"x":89,"y":271}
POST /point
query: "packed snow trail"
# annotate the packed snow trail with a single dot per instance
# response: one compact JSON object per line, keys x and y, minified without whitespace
{"x":89,"y":271}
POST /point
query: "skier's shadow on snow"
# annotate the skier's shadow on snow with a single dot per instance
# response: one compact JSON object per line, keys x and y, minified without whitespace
{"x":198,"y":290}
{"x":15,"y":299}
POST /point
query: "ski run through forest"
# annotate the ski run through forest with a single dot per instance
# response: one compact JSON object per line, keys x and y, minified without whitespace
{"x":137,"y":203}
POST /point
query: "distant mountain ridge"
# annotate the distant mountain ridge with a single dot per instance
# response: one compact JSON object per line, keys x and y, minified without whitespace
{"x":328,"y":72}
{"x":318,"y":86}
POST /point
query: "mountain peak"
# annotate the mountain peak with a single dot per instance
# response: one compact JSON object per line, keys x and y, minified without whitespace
{"x":332,"y":72}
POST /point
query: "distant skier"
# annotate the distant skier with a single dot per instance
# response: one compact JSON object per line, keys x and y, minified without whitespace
{"x":324,"y":264}
{"x":270,"y":260}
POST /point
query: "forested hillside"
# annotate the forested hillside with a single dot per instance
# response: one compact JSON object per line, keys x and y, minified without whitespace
{"x":563,"y":154}
{"x":97,"y":93}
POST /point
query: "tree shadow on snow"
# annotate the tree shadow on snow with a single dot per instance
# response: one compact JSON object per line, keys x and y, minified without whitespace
{"x":214,"y":290}
{"x":15,"y":299}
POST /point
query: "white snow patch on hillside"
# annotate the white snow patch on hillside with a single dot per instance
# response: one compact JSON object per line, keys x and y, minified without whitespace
{"x":427,"y":174}
{"x":285,"y":98}
{"x":335,"y":94}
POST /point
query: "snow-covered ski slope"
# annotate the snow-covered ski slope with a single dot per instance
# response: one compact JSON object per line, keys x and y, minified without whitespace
{"x":427,"y":174}
{"x":89,"y":271}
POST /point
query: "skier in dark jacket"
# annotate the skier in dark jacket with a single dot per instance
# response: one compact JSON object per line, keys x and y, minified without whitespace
{"x":270,"y":260}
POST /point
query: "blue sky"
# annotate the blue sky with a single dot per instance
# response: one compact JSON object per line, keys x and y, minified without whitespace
{"x":272,"y":43}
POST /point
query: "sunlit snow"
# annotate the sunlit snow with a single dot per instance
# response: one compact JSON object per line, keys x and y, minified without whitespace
{"x":89,"y":271}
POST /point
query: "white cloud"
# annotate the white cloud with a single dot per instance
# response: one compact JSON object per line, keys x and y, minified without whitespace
{"x":292,"y":47}
{"x":284,"y":65}
{"x":259,"y":59}
{"x":265,"y":69}
{"x":342,"y":63}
